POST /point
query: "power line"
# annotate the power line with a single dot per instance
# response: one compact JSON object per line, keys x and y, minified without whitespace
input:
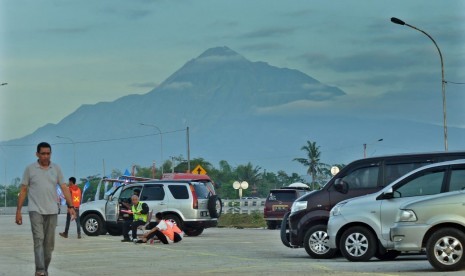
{"x":453,"y":82}
{"x":98,"y":141}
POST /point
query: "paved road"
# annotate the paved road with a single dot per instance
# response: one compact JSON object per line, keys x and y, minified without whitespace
{"x":218,"y":251}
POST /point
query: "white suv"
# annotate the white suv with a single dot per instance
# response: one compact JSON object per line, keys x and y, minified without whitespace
{"x":360,"y":227}
{"x":191,"y":204}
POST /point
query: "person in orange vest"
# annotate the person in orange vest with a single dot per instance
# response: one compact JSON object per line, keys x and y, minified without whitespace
{"x":76,"y":198}
{"x":163,"y":230}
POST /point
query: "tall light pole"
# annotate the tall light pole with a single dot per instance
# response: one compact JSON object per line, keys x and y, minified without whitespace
{"x":4,"y":153}
{"x":161,"y":143}
{"x":74,"y":153}
{"x":400,"y":22}
{"x":365,"y":148}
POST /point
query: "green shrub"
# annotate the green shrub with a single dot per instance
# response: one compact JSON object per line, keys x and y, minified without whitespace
{"x":254,"y":220}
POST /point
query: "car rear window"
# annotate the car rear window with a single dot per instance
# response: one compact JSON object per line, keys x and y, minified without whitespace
{"x":282,"y":196}
{"x":201,"y":189}
{"x":179,"y":191}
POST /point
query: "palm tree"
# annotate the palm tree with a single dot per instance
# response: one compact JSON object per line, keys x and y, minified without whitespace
{"x":315,"y":167}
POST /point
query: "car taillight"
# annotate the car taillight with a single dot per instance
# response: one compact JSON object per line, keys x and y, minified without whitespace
{"x":195,"y":204}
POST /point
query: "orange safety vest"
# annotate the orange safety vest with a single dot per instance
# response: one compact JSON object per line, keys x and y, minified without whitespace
{"x":75,"y":195}
{"x":169,"y":231}
{"x":174,"y":226}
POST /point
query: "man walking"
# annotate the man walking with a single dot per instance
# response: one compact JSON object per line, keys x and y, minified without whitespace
{"x":76,"y":197}
{"x":39,"y":184}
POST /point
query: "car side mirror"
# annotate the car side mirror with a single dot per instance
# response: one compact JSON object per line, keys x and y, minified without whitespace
{"x":387,"y":194}
{"x":341,"y":186}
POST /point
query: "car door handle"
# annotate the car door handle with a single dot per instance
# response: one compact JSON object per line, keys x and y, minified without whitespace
{"x":162,"y":203}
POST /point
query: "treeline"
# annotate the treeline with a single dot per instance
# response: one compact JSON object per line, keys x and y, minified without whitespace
{"x":260,"y":180}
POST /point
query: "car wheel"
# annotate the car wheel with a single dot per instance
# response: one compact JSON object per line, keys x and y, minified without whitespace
{"x":215,"y":206}
{"x":358,"y":244}
{"x":445,"y":249}
{"x":193,"y":232}
{"x":92,"y":225}
{"x":271,"y":224}
{"x":387,"y":256}
{"x":284,"y":231}
{"x":174,"y":219}
{"x":316,"y":243}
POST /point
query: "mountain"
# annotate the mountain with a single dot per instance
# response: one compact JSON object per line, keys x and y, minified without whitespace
{"x":236,"y":110}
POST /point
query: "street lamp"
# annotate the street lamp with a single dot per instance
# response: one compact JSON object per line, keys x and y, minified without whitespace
{"x":74,"y":152}
{"x":4,"y":153}
{"x":365,"y":148}
{"x":239,"y":186}
{"x":161,"y":143}
{"x":400,"y":22}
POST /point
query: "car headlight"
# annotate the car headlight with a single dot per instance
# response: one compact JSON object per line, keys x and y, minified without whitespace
{"x":407,"y":215}
{"x":298,"y":205}
{"x":336,"y":211}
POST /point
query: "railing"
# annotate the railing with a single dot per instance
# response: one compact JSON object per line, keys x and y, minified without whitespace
{"x":243,"y":206}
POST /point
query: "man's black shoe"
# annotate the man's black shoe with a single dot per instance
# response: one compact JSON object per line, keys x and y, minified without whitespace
{"x":126,"y":240}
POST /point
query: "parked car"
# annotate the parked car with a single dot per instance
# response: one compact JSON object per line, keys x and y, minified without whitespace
{"x":279,"y":202}
{"x":191,"y":204}
{"x":360,"y":227}
{"x":435,"y":224}
{"x":309,"y":214}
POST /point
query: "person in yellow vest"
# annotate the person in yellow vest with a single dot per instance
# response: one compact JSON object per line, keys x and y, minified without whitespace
{"x":140,"y":212}
{"x":164,"y":230}
{"x":76,"y":198}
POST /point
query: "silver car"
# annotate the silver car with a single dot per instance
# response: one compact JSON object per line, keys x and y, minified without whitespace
{"x":360,"y":227}
{"x":191,"y":204}
{"x":436,"y":224}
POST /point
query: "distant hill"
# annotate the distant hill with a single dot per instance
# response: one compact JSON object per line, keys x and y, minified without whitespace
{"x":236,"y":110}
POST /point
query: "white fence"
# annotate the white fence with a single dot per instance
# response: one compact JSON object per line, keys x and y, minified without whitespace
{"x":243,"y":206}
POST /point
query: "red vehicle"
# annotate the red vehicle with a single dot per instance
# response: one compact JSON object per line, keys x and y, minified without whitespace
{"x":279,"y":202}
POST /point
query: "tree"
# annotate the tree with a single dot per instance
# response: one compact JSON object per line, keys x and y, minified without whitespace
{"x":312,"y":161}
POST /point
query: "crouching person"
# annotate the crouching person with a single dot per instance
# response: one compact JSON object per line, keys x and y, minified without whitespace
{"x":165,"y":232}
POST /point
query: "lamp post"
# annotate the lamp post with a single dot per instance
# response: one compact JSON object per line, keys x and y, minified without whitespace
{"x":161,"y":143}
{"x":74,"y":152}
{"x":365,"y":148}
{"x":400,"y":22}
{"x":239,"y":186}
{"x":4,"y":153}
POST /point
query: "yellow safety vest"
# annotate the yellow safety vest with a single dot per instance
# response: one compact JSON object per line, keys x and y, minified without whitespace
{"x":136,"y":210}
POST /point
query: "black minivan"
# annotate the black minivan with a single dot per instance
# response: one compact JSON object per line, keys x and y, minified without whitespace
{"x":309,"y":214}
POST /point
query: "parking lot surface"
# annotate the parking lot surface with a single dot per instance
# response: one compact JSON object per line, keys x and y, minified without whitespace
{"x":218,"y":251}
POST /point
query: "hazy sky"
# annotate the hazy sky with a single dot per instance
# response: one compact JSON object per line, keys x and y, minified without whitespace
{"x":59,"y":54}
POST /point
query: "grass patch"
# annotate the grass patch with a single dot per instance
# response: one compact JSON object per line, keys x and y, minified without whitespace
{"x":254,"y":220}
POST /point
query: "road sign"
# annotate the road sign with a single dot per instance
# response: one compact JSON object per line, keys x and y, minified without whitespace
{"x":199,"y":170}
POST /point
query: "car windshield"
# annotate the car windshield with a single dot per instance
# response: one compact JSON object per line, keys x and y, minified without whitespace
{"x":282,"y":196}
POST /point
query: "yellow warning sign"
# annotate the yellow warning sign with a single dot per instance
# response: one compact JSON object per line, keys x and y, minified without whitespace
{"x":199,"y":170}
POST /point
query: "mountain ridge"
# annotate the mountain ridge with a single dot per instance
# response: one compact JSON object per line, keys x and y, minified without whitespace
{"x":232,"y":108}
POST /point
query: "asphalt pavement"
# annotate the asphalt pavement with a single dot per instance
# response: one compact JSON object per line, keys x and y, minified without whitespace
{"x":218,"y":251}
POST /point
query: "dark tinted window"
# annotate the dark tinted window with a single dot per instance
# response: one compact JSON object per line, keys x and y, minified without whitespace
{"x":282,"y":196}
{"x":457,"y":180}
{"x":201,"y":190}
{"x":152,"y":193}
{"x":362,"y":178}
{"x":394,"y":171}
{"x":429,"y":183}
{"x":179,"y":191}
